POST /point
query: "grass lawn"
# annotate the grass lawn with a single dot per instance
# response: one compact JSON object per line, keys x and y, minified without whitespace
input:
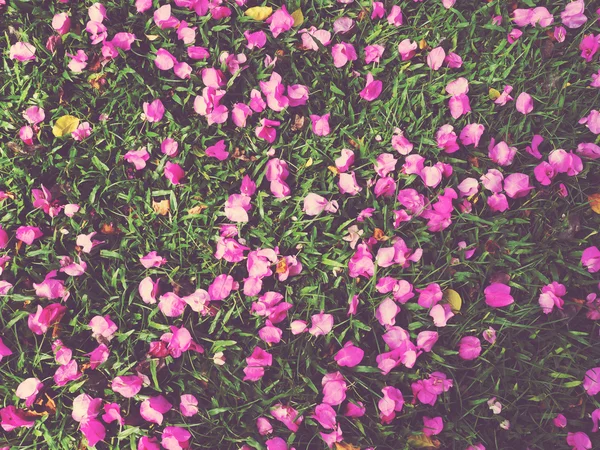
{"x":336,"y":224}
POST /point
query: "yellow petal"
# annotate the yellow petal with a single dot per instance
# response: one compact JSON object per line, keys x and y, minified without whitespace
{"x":65,"y":125}
{"x":422,"y":441}
{"x":259,"y":12}
{"x":298,"y":17}
{"x":453,"y":299}
{"x":309,"y":162}
{"x":494,"y":94}
{"x":594,"y":200}
{"x":345,"y":446}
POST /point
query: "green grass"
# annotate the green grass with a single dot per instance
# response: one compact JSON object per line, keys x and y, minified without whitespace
{"x":537,"y":365}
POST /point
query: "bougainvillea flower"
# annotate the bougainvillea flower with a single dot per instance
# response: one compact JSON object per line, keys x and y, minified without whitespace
{"x":560,"y":421}
{"x":430,"y":296}
{"x":22,"y":51}
{"x":112,"y":413}
{"x":153,"y":409}
{"x":469,"y":347}
{"x":501,"y":153}
{"x":12,"y":418}
{"x":103,"y":327}
{"x":164,"y":59}
{"x":579,"y":440}
{"x":334,"y":388}
{"x":280,"y":21}
{"x":188,"y":405}
{"x":524,"y":103}
{"x":257,"y":361}
{"x":87,"y":243}
{"x":45,"y":317}
{"x":349,"y":355}
{"x":322,"y":324}
{"x":28,"y":234}
{"x":471,"y":134}
{"x":373,"y":53}
{"x":28,"y":390}
{"x":173,"y":172}
{"x":152,"y":259}
{"x":516,"y":185}
{"x":446,"y":139}
{"x":574,"y":14}
{"x":127,"y":385}
{"x":372,"y":88}
{"x":66,"y":373}
{"x":163,"y":18}
{"x":551,"y":297}
{"x":453,"y":60}
{"x":263,"y":426}
{"x":432,"y":425}
{"x":98,"y":356}
{"x":4,"y":350}
{"x":428,"y":390}
{"x":145,"y":442}
{"x":590,"y":258}
{"x":326,"y":416}
{"x":34,"y":115}
{"x":175,"y":438}
{"x":498,"y":295}
{"x":276,"y":443}
{"x":591,"y":381}
{"x":407,"y":49}
{"x":514,"y":35}
{"x":267,"y":131}
{"x":320,"y":124}
{"x":288,"y":416}
{"x":392,"y":402}
{"x":311,"y":35}
{"x":435,"y":58}
{"x":342,"y":53}
{"x":426,"y":340}
{"x":441,"y":314}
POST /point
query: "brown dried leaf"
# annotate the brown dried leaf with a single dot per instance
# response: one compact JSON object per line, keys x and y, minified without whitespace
{"x":109,"y":228}
{"x":163,"y":207}
{"x":197,"y":209}
{"x":594,"y":200}
{"x":281,"y":266}
{"x":345,"y":446}
{"x":473,"y":161}
{"x":379,"y":235}
{"x":95,"y":63}
{"x":299,"y":122}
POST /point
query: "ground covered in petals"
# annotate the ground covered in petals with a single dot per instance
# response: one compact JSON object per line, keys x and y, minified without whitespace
{"x":332,"y":224}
